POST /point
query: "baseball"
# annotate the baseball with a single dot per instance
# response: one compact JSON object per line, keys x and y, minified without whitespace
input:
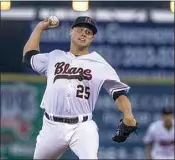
{"x":54,"y":21}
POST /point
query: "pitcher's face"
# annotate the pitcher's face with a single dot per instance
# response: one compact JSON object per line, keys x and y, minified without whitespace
{"x":81,"y":36}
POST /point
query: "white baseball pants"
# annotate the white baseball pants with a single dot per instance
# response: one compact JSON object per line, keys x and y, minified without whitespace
{"x":55,"y":138}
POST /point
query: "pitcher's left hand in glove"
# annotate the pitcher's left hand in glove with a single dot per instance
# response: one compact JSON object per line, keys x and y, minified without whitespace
{"x":123,"y":132}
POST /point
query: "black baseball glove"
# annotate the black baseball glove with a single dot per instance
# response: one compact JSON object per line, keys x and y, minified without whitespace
{"x":123,"y":132}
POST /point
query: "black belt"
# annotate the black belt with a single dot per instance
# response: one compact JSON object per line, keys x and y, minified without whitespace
{"x":66,"y":119}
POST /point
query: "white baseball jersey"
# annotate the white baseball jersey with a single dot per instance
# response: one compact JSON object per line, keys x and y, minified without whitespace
{"x":162,"y":140}
{"x":74,"y":82}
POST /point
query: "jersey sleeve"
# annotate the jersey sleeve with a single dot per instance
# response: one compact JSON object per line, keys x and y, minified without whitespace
{"x":149,"y":136}
{"x":112,"y":82}
{"x":39,"y":63}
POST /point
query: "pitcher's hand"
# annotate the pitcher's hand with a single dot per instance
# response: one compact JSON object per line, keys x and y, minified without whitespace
{"x":48,"y":23}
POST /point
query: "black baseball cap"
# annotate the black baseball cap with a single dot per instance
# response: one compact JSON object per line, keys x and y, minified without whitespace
{"x":86,"y":21}
{"x":167,"y":110}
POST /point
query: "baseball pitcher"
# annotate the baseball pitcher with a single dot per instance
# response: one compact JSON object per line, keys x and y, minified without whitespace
{"x":74,"y":80}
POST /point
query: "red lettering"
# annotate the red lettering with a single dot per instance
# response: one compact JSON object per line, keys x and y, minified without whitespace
{"x":73,"y":70}
{"x":80,"y":70}
{"x":87,"y":73}
{"x":66,"y":69}
{"x":62,"y":68}
{"x":166,"y":142}
{"x":59,"y":67}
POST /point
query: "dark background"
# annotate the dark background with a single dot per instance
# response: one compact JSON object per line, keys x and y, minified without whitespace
{"x":142,"y":53}
{"x":14,"y":33}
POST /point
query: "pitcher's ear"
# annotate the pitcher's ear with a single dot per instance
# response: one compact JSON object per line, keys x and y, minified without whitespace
{"x":70,"y":32}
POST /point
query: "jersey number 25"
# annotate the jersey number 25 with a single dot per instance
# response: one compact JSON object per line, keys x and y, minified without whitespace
{"x":83,"y":92}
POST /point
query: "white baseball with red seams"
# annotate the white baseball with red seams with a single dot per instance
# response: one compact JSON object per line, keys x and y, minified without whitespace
{"x":73,"y":86}
{"x":54,"y":21}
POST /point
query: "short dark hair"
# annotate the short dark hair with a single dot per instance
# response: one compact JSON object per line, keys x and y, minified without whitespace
{"x":167,"y":110}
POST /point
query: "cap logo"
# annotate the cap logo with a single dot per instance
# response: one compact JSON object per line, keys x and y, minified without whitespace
{"x":88,"y":20}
